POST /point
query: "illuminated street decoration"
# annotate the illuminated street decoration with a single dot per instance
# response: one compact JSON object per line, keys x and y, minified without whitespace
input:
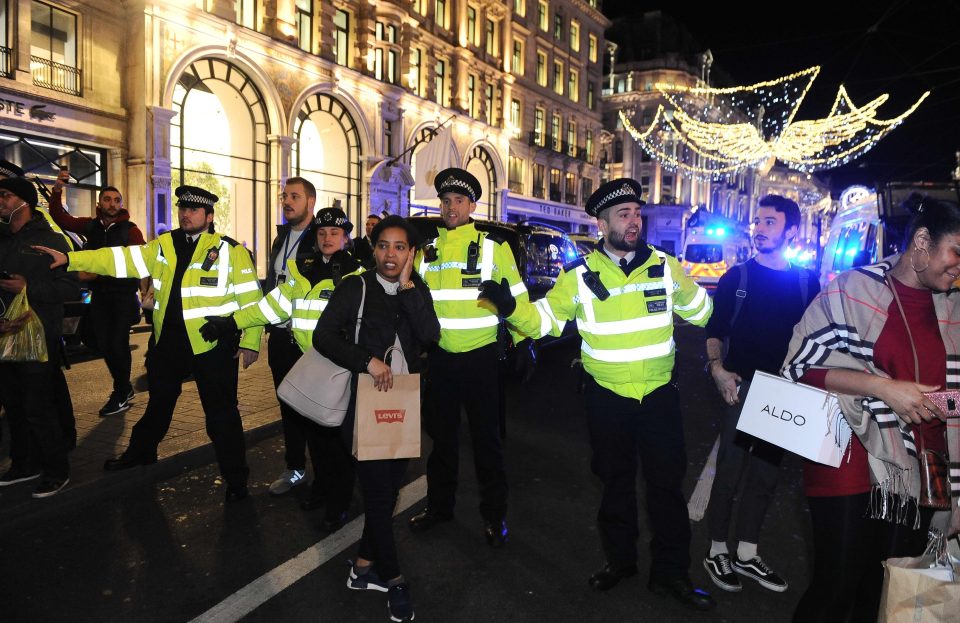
{"x":711,"y":132}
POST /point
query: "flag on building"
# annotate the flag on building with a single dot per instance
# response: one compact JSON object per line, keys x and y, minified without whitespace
{"x":438,"y":155}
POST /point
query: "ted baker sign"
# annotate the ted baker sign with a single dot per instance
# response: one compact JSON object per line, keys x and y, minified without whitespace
{"x":387,"y":416}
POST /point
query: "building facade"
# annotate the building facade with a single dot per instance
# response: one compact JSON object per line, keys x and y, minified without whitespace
{"x":238,"y":95}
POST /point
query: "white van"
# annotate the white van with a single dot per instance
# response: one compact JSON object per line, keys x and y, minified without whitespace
{"x":708,"y":252}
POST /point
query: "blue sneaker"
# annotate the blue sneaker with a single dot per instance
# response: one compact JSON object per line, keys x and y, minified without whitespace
{"x":399,"y":604}
{"x":368,"y":581}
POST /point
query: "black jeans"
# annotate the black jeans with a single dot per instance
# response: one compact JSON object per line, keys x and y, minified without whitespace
{"x":380,"y":483}
{"x":848,"y":549}
{"x":36,"y":435}
{"x":282,"y":353}
{"x":469,"y":380}
{"x":113,"y":313}
{"x":621,"y":429}
{"x":169,"y":362}
{"x":758,"y":463}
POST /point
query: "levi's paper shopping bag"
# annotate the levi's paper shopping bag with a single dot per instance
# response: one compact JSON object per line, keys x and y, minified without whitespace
{"x":388,"y":423}
{"x":799,"y":418}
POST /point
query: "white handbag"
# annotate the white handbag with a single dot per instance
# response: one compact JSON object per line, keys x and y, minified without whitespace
{"x":317,"y":388}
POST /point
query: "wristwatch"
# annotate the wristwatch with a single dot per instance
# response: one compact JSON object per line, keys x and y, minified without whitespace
{"x":406,"y":286}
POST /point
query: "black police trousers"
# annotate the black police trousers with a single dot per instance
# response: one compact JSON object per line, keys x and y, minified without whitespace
{"x":282,"y":353}
{"x":169,"y":362}
{"x":621,"y":430}
{"x":112,"y":314}
{"x":36,"y":437}
{"x":469,"y":380}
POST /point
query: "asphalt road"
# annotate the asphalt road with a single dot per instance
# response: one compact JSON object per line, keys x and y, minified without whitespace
{"x":170,"y":551}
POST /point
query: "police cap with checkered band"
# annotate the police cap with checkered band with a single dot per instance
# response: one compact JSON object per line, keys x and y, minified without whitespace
{"x":195,"y":197}
{"x":8,"y":169}
{"x":333,"y":217}
{"x":454,"y":180}
{"x":614,"y":192}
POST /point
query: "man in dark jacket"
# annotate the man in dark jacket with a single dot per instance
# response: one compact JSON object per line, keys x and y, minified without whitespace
{"x":114,"y":307}
{"x":295,"y":239}
{"x":362,"y":246}
{"x":37,"y":449}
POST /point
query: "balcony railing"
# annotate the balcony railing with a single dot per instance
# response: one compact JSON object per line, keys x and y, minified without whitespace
{"x":55,"y":76}
{"x":6,"y":62}
{"x":561,"y":147}
{"x":515,"y":186}
{"x":538,"y":191}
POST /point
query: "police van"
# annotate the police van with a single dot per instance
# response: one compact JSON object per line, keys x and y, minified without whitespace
{"x":709,"y":250}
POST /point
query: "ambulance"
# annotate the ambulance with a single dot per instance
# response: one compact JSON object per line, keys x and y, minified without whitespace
{"x":710,"y":250}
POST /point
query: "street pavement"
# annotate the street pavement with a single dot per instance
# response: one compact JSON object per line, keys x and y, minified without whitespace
{"x":158,"y":544}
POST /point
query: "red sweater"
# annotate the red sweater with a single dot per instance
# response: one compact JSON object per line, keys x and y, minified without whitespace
{"x":892,"y":354}
{"x":78,"y":224}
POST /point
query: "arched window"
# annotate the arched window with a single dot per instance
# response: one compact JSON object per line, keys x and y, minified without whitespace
{"x":327,"y":152}
{"x":219,"y":142}
{"x":480,"y":164}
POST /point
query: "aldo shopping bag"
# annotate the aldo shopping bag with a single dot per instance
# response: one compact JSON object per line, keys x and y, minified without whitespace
{"x":799,"y":418}
{"x":387,"y":425}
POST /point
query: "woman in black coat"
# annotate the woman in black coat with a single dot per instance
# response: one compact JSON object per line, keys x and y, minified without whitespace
{"x":397,"y":305}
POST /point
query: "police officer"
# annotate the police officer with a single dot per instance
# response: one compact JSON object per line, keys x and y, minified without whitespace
{"x":623,"y":296}
{"x":298,"y":302}
{"x":196,"y":273}
{"x":463,"y":369}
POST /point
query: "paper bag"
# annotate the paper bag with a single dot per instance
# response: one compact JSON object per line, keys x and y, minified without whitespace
{"x":799,"y":418}
{"x":914,"y":593}
{"x":387,"y":425}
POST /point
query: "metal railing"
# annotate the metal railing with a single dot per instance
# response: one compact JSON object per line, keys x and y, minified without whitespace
{"x":515,"y":186}
{"x":547,"y":141}
{"x":55,"y":76}
{"x":6,"y":62}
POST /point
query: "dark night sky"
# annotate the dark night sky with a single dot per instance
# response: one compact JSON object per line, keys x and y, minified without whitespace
{"x":901,"y":48}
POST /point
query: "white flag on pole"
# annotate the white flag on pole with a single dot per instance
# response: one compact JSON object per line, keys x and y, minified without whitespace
{"x":438,"y":155}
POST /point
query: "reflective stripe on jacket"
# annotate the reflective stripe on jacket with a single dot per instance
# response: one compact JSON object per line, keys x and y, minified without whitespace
{"x":295,"y":300}
{"x":628,"y":342}
{"x":227,"y":287}
{"x":465,"y":323}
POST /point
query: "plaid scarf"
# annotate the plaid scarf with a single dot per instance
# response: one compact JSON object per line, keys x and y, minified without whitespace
{"x":839,"y":330}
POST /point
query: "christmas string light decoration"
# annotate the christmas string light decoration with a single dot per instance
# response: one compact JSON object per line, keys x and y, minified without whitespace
{"x":711,"y":132}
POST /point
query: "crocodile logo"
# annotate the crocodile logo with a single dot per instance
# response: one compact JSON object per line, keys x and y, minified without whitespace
{"x":37,"y":112}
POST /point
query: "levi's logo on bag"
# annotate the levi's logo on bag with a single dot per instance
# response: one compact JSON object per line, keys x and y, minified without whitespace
{"x":387,"y":416}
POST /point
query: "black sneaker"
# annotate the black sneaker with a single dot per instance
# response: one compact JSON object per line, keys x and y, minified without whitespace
{"x":16,"y":475}
{"x":369,"y":581}
{"x":399,"y":604}
{"x":49,"y":487}
{"x":118,"y":403}
{"x":720,"y":568}
{"x":759,"y":571}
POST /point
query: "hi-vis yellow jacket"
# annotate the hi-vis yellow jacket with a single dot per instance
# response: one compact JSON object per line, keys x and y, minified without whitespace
{"x":228,"y":286}
{"x":294,"y":300}
{"x":465,"y":323}
{"x":628,"y":342}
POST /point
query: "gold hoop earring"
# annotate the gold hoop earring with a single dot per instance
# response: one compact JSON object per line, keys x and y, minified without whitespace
{"x":913,"y":264}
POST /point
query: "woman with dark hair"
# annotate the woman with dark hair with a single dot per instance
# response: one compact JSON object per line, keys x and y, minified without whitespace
{"x":397,"y":308}
{"x":881,"y":337}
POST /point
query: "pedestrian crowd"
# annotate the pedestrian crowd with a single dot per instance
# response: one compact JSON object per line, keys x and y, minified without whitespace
{"x":882,"y":337}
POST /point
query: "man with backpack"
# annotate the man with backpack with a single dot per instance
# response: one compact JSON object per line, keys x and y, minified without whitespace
{"x":114,"y":307}
{"x":755,"y":307}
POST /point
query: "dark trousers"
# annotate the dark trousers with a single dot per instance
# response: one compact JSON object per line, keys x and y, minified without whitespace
{"x":469,"y":380}
{"x":64,"y":404}
{"x":169,"y":362}
{"x":848,"y":549}
{"x":380,"y":483}
{"x":621,"y":429}
{"x":282,"y":353}
{"x":755,"y":461}
{"x":112,"y":314}
{"x":36,"y":435}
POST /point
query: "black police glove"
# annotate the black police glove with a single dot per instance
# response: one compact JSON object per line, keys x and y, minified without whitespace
{"x":217,"y":327}
{"x":499,"y":294}
{"x":526,"y":360}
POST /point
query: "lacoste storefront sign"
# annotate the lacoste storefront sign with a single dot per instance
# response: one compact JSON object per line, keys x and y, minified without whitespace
{"x":15,"y":108}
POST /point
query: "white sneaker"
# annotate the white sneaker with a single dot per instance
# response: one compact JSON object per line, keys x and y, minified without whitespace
{"x":287,"y":481}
